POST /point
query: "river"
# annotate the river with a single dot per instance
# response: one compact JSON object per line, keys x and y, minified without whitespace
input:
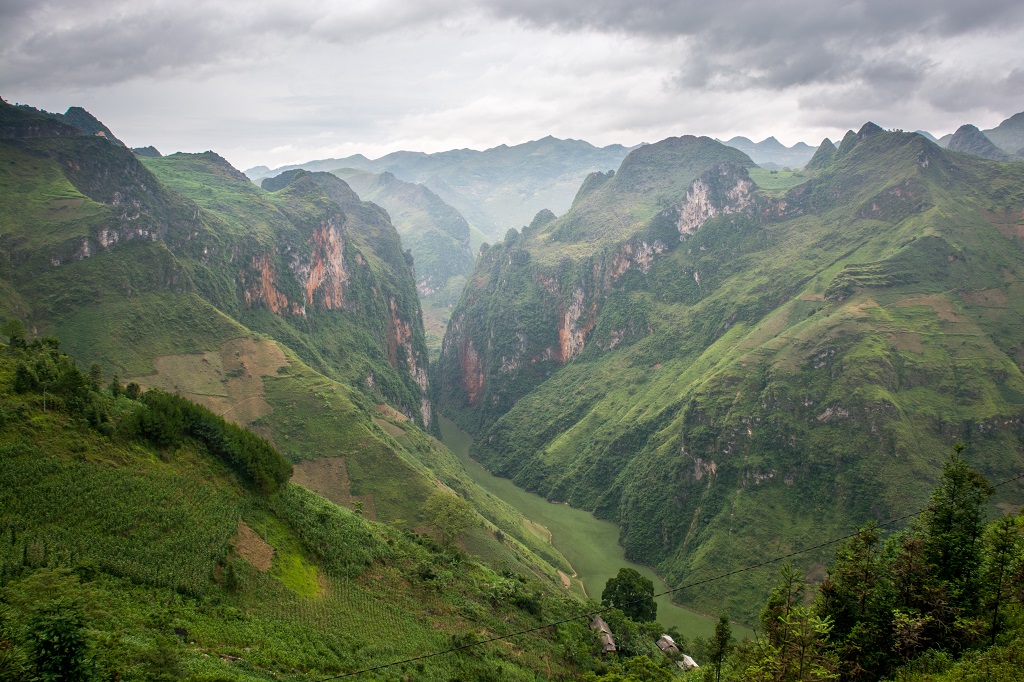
{"x":590,"y":544}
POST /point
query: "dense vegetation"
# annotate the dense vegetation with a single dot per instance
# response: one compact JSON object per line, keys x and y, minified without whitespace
{"x":131,"y":548}
{"x":729,"y":370}
{"x":941,"y":600}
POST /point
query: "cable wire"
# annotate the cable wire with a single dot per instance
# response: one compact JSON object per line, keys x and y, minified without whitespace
{"x":697,"y":583}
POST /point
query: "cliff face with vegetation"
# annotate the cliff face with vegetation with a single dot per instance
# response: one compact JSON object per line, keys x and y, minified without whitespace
{"x":731,"y":362}
{"x":310,"y":260}
{"x":292,"y":312}
{"x":435,"y":233}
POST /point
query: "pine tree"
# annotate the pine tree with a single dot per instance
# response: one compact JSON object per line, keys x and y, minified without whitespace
{"x":953,"y":526}
{"x":1003,"y":553}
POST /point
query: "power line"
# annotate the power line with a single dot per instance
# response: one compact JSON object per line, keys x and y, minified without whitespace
{"x":697,"y":583}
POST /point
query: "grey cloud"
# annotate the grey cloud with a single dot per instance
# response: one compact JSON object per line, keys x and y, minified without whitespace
{"x":112,"y":43}
{"x":729,"y":44}
{"x":94,"y":42}
{"x":998,"y":92}
{"x":752,"y":43}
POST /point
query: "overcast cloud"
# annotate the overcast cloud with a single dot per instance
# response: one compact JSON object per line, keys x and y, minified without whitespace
{"x":278,"y":82}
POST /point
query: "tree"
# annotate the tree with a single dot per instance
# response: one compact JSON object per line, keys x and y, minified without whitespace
{"x":14,"y":330}
{"x":631,"y":593}
{"x":58,"y":639}
{"x":448,"y":514}
{"x":858,"y":595}
{"x":1003,"y":550}
{"x":953,"y":529}
{"x":722,"y":645}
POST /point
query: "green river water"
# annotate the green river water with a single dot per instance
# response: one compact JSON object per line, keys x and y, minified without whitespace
{"x":590,"y":545}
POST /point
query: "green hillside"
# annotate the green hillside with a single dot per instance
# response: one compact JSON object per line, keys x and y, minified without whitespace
{"x":732,"y":370}
{"x":292,"y":312}
{"x":133,"y":528}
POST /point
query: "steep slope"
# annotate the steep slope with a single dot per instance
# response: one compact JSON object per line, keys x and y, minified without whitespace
{"x":736,"y":372}
{"x":436,"y":234}
{"x":293,"y":312}
{"x":131,"y":536}
{"x":496,"y":189}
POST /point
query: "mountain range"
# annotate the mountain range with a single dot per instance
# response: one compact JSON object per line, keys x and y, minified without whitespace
{"x":291,"y":311}
{"x":731,"y":362}
{"x":497,"y":189}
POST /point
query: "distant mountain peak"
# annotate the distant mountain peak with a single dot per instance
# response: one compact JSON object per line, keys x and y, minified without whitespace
{"x":769,"y":152}
{"x":869,"y":129}
{"x":88,"y":124}
{"x":824,"y":155}
{"x":968,"y":139}
{"x":1008,"y":135}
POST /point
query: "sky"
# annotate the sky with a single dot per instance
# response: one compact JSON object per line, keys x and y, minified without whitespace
{"x":276,"y":82}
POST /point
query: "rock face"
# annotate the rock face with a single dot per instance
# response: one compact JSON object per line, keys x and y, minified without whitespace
{"x":520,"y":319}
{"x":718,"y":367}
{"x":328,"y":267}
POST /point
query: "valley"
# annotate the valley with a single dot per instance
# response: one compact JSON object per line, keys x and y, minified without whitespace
{"x":328,"y":434}
{"x":590,"y":545}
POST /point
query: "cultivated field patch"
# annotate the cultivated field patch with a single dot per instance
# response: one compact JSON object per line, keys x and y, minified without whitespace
{"x":251,"y":547}
{"x":228,"y":381}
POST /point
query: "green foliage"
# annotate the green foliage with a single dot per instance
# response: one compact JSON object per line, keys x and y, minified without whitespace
{"x":168,"y":419}
{"x":449,"y":515}
{"x":57,"y":638}
{"x":635,"y":669}
{"x":721,"y":645}
{"x":819,"y":346}
{"x":631,"y":593}
{"x":954,"y":528}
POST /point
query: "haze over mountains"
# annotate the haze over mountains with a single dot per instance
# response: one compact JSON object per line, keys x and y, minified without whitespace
{"x":497,"y":189}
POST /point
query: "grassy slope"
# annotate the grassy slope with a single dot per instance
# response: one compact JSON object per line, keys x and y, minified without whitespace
{"x":148,"y":537}
{"x":813,"y":379}
{"x":138,"y":311}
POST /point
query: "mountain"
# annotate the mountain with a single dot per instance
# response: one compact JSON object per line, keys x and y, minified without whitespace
{"x":823,"y":157}
{"x":733,"y":364}
{"x":772,"y":154}
{"x":497,"y":189}
{"x":1008,"y":135}
{"x":436,"y":234}
{"x":968,"y":139}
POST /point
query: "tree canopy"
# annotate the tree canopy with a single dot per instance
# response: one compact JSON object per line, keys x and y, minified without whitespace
{"x":632,"y":594}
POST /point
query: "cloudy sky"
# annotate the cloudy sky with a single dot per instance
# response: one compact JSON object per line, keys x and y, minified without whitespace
{"x":274,"y":82}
